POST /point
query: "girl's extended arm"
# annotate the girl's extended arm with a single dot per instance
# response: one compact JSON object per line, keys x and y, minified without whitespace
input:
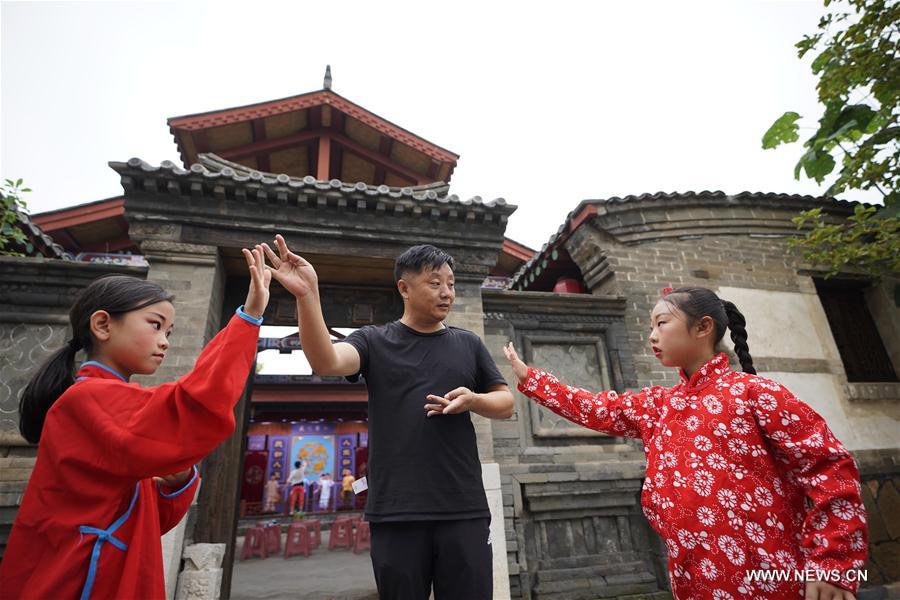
{"x":126,"y":430}
{"x":625,"y":414}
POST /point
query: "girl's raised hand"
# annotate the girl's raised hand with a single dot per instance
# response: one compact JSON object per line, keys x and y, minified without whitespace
{"x":260,"y":277}
{"x":291,"y":270}
{"x":519,"y":368}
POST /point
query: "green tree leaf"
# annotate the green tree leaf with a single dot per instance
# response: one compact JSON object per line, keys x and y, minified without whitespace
{"x":857,"y":140}
{"x":783,"y":131}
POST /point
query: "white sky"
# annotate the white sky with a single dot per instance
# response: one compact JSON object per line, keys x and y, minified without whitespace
{"x":274,"y":363}
{"x":547,"y":103}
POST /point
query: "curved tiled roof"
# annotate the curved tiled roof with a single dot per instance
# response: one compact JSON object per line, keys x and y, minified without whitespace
{"x":707,"y":195}
{"x":214,"y":168}
{"x":45,"y":244}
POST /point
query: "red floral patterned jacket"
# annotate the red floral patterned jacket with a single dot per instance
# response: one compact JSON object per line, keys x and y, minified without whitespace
{"x":741,"y":476}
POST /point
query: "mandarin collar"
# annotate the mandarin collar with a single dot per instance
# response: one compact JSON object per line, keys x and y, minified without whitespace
{"x":710,"y":371}
{"x":92,"y":368}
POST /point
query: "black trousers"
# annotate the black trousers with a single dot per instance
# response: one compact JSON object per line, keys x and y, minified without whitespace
{"x":455,"y":556}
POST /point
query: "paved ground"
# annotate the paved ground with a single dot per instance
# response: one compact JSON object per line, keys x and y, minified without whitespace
{"x":324,"y":575}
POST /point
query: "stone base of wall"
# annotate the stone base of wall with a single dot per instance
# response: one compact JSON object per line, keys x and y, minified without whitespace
{"x":880,"y":476}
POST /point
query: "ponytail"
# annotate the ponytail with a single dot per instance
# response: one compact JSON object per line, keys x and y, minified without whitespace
{"x":699,"y":302}
{"x":115,"y":294}
{"x":738,"y":327}
{"x":46,"y":386}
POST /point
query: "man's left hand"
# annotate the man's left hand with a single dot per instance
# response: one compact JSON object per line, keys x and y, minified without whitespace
{"x":456,"y":401}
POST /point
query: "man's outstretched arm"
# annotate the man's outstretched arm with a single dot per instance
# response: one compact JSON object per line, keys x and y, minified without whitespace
{"x":299,"y":277}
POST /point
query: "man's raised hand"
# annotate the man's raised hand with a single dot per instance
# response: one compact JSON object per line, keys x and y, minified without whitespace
{"x":291,"y":270}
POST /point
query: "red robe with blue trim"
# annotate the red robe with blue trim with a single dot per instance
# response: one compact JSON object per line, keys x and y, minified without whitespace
{"x":102,"y":443}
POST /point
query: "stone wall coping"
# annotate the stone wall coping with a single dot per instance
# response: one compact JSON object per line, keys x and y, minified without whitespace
{"x":516,"y":301}
{"x":38,"y":289}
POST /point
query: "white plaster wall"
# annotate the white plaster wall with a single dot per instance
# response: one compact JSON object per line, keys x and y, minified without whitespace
{"x":784,"y":324}
{"x":822,"y":393}
{"x":863,"y":426}
{"x":794,"y":325}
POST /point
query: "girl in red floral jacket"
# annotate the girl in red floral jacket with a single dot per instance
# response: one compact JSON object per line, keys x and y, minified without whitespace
{"x":751,"y":491}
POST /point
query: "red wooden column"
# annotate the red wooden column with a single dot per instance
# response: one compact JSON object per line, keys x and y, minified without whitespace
{"x":324,"y":162}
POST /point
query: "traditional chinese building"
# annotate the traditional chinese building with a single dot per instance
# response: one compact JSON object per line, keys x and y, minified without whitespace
{"x":350,"y":191}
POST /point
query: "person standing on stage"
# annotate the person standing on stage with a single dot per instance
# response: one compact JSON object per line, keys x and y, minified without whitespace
{"x":297,"y":487}
{"x":429,"y":515}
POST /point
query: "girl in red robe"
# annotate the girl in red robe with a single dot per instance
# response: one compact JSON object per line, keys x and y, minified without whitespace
{"x":115,"y":464}
{"x":741,"y":475}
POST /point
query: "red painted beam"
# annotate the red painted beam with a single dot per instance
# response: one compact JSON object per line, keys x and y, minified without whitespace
{"x":517,"y":250}
{"x":377,"y":159}
{"x":300,"y":395}
{"x":259,"y":135}
{"x":336,"y":162}
{"x":323,"y":163}
{"x":78,"y":215}
{"x":269,"y":146}
{"x":586,"y":212}
{"x":384,"y":148}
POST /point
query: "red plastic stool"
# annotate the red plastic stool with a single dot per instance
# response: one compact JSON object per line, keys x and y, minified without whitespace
{"x":341,"y":534}
{"x":254,"y":543}
{"x":314,"y":526}
{"x":297,"y":540}
{"x":363,"y":538}
{"x":273,"y":538}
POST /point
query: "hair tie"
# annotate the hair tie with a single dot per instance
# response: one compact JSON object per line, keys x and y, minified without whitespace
{"x":666,"y":291}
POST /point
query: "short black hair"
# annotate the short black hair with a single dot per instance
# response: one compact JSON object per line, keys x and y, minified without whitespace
{"x":418,"y":257}
{"x":297,"y":465}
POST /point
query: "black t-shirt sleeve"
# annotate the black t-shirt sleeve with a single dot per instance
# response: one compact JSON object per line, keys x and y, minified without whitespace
{"x":488,"y":374}
{"x":359,"y":339}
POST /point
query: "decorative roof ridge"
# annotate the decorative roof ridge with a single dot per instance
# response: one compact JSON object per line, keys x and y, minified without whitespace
{"x":241,"y":174}
{"x":718,"y":194}
{"x":214,"y":162}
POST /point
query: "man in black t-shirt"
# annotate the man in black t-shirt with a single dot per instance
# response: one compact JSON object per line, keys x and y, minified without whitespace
{"x":429,"y":515}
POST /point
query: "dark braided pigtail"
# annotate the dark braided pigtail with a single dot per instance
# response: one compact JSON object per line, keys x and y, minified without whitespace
{"x":738,"y":327}
{"x":699,"y":302}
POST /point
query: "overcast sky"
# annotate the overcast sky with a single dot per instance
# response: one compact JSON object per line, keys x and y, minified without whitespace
{"x":547,"y":103}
